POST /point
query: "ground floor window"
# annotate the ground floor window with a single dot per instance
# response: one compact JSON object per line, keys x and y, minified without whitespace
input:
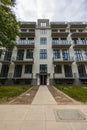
{"x":57,"y":69}
{"x":28,"y":68}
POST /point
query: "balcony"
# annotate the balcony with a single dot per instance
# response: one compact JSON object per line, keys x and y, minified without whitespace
{"x":61,"y":44}
{"x":27,"y":33}
{"x":28,"y":24}
{"x":79,"y":34}
{"x":58,"y":25}
{"x":5,"y":60}
{"x":81,"y":60}
{"x":59,"y":34}
{"x":22,"y":61}
{"x":80,"y":44}
{"x":77,"y":25}
{"x":25,"y":44}
{"x":64,"y":60}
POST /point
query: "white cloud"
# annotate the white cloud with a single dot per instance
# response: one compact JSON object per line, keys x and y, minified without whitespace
{"x":58,"y":10}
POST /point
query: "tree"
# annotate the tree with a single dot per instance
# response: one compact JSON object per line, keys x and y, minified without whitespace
{"x":9,"y":27}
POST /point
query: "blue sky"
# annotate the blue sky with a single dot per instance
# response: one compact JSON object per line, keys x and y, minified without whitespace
{"x":55,"y":10}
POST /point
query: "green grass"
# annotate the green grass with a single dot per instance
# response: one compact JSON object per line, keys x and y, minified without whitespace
{"x":79,"y":93}
{"x":9,"y":92}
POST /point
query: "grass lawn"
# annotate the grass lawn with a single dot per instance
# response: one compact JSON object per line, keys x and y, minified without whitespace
{"x":7,"y":93}
{"x":79,"y":93}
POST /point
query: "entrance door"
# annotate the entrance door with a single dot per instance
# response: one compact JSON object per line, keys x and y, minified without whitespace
{"x":43,"y":79}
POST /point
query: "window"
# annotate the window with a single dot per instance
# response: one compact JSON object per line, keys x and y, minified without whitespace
{"x":75,"y":40}
{"x":28,"y":68}
{"x":85,"y":52}
{"x":82,"y":71}
{"x":30,"y":41}
{"x":43,"y":40}
{"x":55,"y":41}
{"x":43,"y":68}
{"x":80,"y":30}
{"x":57,"y":69}
{"x":43,"y":31}
{"x":20,"y":55}
{"x":56,"y":54}
{"x":4,"y":70}
{"x":65,"y":54}
{"x":72,"y":30}
{"x":43,"y":54}
{"x":23,"y":30}
{"x":68,"y":70}
{"x":22,"y":41}
{"x":78,"y":55}
{"x":8,"y":55}
{"x":63,"y":40}
{"x":62,"y":30}
{"x":18,"y":70}
{"x":29,"y":54}
{"x":43,"y":24}
{"x":83,"y":41}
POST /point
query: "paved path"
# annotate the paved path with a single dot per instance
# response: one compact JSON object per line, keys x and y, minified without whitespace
{"x":44,"y":97}
{"x":41,"y":115}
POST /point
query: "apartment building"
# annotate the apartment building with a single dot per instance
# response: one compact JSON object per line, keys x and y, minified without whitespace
{"x":47,"y":53}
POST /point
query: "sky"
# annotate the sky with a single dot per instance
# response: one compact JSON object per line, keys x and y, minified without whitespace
{"x":55,"y":10}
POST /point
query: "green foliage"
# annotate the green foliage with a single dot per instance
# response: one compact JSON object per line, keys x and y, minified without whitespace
{"x":12,"y":91}
{"x":9,"y":27}
{"x":77,"y":92}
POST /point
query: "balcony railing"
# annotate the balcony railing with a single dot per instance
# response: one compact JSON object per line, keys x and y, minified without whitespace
{"x":22,"y":61}
{"x":81,"y":59}
{"x":61,"y":43}
{"x":66,"y":59}
{"x":80,"y":43}
{"x":26,"y":44}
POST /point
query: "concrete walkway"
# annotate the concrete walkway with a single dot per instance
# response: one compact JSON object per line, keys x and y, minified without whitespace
{"x":44,"y":97}
{"x":43,"y":114}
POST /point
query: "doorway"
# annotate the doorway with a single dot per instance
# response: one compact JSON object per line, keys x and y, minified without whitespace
{"x":43,"y":79}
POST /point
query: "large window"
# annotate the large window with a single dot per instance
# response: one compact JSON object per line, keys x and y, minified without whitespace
{"x":55,"y":41}
{"x":65,"y":54}
{"x":75,"y":40}
{"x":30,"y":41}
{"x":43,"y":31}
{"x":57,"y":69}
{"x":63,"y":40}
{"x":4,"y":70}
{"x":85,"y":54}
{"x":22,"y":41}
{"x":28,"y":68}
{"x":18,"y":71}
{"x":29,"y":54}
{"x":68,"y":70}
{"x":82,"y":71}
{"x":43,"y":54}
{"x":56,"y":54}
{"x":43,"y":40}
{"x":8,"y":55}
{"x":43,"y":68}
{"x":78,"y":55}
{"x":20,"y":55}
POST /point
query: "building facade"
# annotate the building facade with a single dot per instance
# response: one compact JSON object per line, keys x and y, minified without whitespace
{"x":47,"y":53}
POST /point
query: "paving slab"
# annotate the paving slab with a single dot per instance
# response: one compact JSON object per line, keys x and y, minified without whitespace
{"x":44,"y":97}
{"x":41,"y":116}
